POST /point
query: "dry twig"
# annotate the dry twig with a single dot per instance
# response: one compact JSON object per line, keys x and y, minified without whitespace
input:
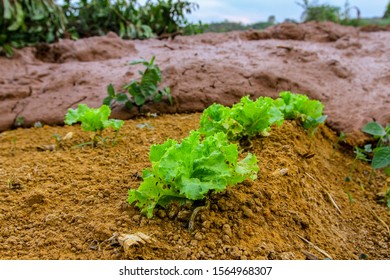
{"x":380,"y":220}
{"x":333,"y":202}
{"x":314,"y":246}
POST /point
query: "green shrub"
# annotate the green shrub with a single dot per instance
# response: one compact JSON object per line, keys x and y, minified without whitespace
{"x":387,"y":12}
{"x":98,"y":17}
{"x":127,"y":18}
{"x":28,"y":22}
{"x":319,"y":12}
{"x":167,"y":16}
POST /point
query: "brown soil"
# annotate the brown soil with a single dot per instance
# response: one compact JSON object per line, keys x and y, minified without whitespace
{"x":59,"y":201}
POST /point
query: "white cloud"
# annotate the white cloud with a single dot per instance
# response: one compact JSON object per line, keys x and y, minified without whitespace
{"x":242,"y":19}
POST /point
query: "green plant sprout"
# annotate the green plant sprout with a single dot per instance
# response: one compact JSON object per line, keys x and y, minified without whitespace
{"x":342,"y":138}
{"x":350,"y":197}
{"x":190,"y":170}
{"x":141,"y":92}
{"x":19,"y":121}
{"x":360,"y":154}
{"x":93,"y":119}
{"x":387,"y":197}
{"x":381,"y":153}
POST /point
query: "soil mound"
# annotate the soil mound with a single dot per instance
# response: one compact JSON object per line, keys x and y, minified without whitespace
{"x":60,"y":202}
{"x":311,"y":31}
{"x":89,"y":49}
{"x":346,"y":69}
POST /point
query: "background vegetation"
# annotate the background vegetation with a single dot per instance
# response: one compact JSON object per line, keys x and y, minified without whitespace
{"x":127,"y":18}
{"x":227,"y":26}
{"x":349,"y":15}
{"x":27,"y":22}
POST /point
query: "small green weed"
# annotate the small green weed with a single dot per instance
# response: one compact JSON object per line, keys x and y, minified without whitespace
{"x":360,"y":154}
{"x":350,"y":198}
{"x":341,"y":139}
{"x":19,"y":121}
{"x":141,"y":92}
{"x":381,"y":153}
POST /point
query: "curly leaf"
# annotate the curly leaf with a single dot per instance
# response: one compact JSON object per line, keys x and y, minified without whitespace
{"x":92,"y":119}
{"x":299,"y":106}
{"x":245,"y":119}
{"x":190,"y":170}
{"x":72,"y":117}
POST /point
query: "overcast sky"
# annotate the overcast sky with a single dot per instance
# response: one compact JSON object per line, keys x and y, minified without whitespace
{"x":249,"y":11}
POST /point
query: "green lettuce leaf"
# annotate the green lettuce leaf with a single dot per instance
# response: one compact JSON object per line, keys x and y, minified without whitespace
{"x":299,"y":106}
{"x":245,"y":119}
{"x":92,"y":119}
{"x":190,"y":170}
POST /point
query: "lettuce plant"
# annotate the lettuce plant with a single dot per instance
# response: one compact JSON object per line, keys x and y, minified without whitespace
{"x":190,"y":170}
{"x":245,"y":119}
{"x":299,"y":106}
{"x":93,"y":119}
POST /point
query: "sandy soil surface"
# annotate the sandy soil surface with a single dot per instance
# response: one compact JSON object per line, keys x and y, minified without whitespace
{"x":346,"y":68}
{"x":60,"y":201}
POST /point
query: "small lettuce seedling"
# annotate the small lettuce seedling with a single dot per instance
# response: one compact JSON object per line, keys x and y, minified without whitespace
{"x":93,"y":119}
{"x":142,"y":91}
{"x":300,"y":107}
{"x":190,"y":170}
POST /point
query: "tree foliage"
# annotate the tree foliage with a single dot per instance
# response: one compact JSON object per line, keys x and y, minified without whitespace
{"x":387,"y":12}
{"x":27,"y":22}
{"x":98,"y":17}
{"x":127,"y":18}
{"x":319,"y":12}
